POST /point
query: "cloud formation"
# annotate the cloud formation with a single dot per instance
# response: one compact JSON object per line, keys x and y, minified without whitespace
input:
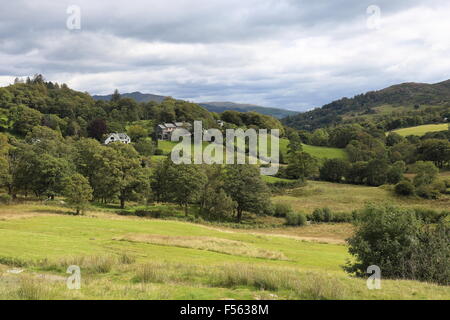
{"x":281,"y":53}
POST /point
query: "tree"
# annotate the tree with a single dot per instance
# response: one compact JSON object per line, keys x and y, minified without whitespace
{"x":376,"y":172}
{"x":97,"y":129}
{"x":404,"y":188}
{"x":186,"y":181}
{"x":24,"y":119}
{"x":357,"y":173}
{"x":244,"y":185}
{"x":401,"y":245}
{"x":320,"y":137}
{"x":115,"y":96}
{"x":295,"y":143}
{"x":395,"y":172}
{"x":334,"y":170}
{"x":160,"y":180}
{"x":132,"y":180}
{"x":426,"y":173}
{"x":301,"y":165}
{"x":78,"y":192}
{"x":136,"y":132}
{"x":394,"y":138}
{"x":435,"y":150}
{"x":214,"y":202}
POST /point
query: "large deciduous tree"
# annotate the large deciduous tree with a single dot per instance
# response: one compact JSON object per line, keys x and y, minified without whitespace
{"x":244,"y":185}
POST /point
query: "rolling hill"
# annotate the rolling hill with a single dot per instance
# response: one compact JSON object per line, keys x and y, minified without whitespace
{"x":220,"y":107}
{"x":138,"y":96}
{"x":407,"y":99}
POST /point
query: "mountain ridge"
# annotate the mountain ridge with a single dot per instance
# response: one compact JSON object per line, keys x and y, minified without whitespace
{"x":215,"y":106}
{"x":403,"y":97}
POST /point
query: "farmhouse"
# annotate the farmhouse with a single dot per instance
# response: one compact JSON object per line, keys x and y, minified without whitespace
{"x":117,"y":137}
{"x":164,"y":130}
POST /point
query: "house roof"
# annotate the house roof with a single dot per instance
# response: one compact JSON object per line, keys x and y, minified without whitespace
{"x":120,"y":136}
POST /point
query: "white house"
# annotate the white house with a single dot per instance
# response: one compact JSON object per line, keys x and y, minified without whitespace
{"x":117,"y":137}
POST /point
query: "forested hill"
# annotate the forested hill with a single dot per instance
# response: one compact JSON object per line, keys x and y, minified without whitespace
{"x":217,"y":107}
{"x":73,"y":113}
{"x":220,"y":107}
{"x":36,"y":102}
{"x":138,"y":96}
{"x":405,"y":100}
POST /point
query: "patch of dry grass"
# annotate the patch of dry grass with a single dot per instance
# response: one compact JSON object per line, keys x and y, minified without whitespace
{"x":219,"y":245}
{"x":346,"y":197}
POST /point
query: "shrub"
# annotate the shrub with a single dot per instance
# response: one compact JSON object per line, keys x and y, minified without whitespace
{"x":295,"y":219}
{"x":400,"y":244}
{"x":282,"y":210}
{"x":404,"y":188}
{"x":427,"y":192}
{"x":317,"y":215}
{"x":5,"y":198}
{"x":327,"y":215}
{"x":159,"y":152}
{"x":430,"y":215}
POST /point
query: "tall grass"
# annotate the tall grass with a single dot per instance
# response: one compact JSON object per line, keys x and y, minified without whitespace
{"x":33,"y":289}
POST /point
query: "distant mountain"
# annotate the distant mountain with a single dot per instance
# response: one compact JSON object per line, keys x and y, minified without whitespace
{"x":402,"y":98}
{"x":220,"y":107}
{"x":139,"y":97}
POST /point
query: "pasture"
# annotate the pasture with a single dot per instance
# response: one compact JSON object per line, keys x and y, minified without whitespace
{"x":137,"y":258}
{"x":421,"y":130}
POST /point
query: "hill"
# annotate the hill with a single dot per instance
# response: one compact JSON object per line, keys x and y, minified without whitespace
{"x":139,"y":97}
{"x":429,"y":101}
{"x":220,"y":107}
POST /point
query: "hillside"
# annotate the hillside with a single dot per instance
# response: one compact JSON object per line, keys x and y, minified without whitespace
{"x":220,"y":107}
{"x":407,"y":100}
{"x":139,"y":97}
{"x":129,"y":258}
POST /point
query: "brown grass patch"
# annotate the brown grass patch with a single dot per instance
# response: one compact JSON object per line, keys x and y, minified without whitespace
{"x":213,"y":244}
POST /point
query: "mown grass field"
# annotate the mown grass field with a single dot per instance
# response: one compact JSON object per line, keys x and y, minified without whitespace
{"x":421,"y":130}
{"x":137,"y":258}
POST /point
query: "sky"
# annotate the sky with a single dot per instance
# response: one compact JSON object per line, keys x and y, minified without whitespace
{"x":290,"y":54}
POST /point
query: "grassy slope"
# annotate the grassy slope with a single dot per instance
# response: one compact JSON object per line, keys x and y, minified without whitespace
{"x":319,"y":152}
{"x":421,"y":130}
{"x":57,"y":237}
{"x":346,"y":197}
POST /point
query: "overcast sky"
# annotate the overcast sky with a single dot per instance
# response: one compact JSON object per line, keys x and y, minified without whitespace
{"x":290,"y":54}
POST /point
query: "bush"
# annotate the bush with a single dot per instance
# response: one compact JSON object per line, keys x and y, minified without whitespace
{"x":430,"y":215}
{"x":295,"y":219}
{"x":5,"y":198}
{"x":326,"y":215}
{"x":282,"y":210}
{"x":317,"y":215}
{"x":427,"y":192}
{"x":159,"y":152}
{"x":403,"y":246}
{"x":404,"y":188}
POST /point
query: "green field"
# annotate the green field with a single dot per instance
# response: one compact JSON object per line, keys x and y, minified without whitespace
{"x":318,"y":152}
{"x":347,"y":197}
{"x":421,"y":130}
{"x":136,"y":258}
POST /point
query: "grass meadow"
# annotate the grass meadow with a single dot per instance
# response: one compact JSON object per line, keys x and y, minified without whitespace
{"x":421,"y":130}
{"x":123,"y":257}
